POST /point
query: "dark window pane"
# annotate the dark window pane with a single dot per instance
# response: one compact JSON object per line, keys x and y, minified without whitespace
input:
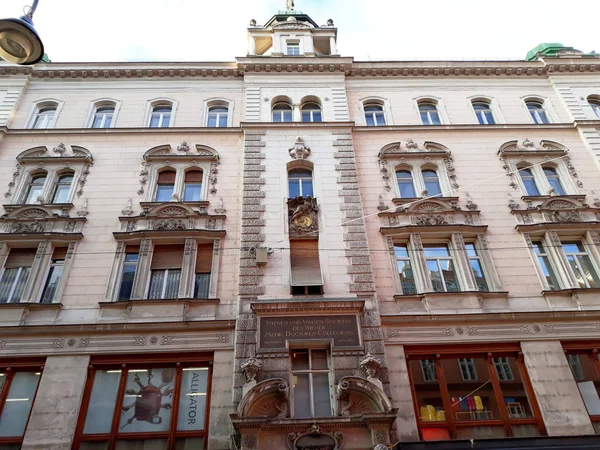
{"x":301,"y":391}
{"x":202,"y":285}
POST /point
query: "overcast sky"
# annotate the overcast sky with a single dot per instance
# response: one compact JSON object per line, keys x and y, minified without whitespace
{"x":215,"y":30}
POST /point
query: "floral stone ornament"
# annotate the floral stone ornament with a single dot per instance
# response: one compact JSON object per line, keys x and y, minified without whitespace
{"x":371,"y":365}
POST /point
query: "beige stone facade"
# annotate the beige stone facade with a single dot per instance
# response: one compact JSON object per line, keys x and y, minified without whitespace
{"x":297,"y":250}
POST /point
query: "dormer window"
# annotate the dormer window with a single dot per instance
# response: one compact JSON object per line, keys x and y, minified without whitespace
{"x":293,"y":48}
{"x":282,"y":112}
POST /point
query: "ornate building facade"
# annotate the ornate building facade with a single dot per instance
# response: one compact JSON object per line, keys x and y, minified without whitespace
{"x":296,"y":250}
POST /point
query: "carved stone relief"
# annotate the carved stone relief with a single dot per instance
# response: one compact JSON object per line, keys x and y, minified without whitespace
{"x":303,"y":217}
{"x":299,"y":150}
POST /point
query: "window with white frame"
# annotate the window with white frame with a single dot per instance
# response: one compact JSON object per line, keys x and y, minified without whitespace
{"x":34,"y":274}
{"x":484,"y":113}
{"x":178,"y":184}
{"x":311,"y":112}
{"x":172,"y":273}
{"x":537,"y":111}
{"x":311,"y":389}
{"x":300,"y":183}
{"x":424,"y":182}
{"x":40,"y":188}
{"x":594,"y":103}
{"x":62,"y":188}
{"x":543,"y":179}
{"x":565,"y":263}
{"x":35,"y":188}
{"x":160,"y":117}
{"x":292,"y":48}
{"x":103,"y":116}
{"x":428,"y":370}
{"x":440,"y":266}
{"x":467,"y":369}
{"x":282,"y":112}
{"x":428,"y":109}
{"x":503,"y":368}
{"x":374,"y":114}
{"x":15,"y":274}
{"x":192,"y":189}
{"x":218,"y":116}
{"x":44,"y":116}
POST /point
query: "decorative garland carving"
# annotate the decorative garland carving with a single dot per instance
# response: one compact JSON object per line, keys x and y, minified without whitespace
{"x":15,"y":175}
{"x":573,"y":172}
{"x":385,"y":174}
{"x":173,"y":211}
{"x":429,"y":207}
{"x":449,"y":163}
{"x":170,"y":224}
{"x":509,"y":173}
{"x":32,"y":227}
{"x":430,"y":220}
{"x":83,"y":178}
{"x":471,"y":206}
{"x":144,"y":174}
{"x":563,"y":216}
{"x":214,"y":170}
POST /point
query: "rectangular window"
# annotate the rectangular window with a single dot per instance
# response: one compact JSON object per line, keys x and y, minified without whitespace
{"x":15,"y":274}
{"x":306,"y":275}
{"x":203,"y":270}
{"x":17,"y":392}
{"x":128,"y":273}
{"x":503,"y":369}
{"x":55,"y":273}
{"x":407,"y":279}
{"x":545,"y":265}
{"x":441,"y":268}
{"x":162,"y":401}
{"x":428,"y":370}
{"x":165,"y":271}
{"x":310,"y":381}
{"x":581,"y":264}
{"x":575,"y":365}
{"x":474,"y":396}
{"x":476,"y":268}
{"x":467,"y":369}
{"x":293,"y":49}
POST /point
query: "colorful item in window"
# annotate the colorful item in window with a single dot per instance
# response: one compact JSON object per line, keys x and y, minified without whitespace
{"x":148,"y":402}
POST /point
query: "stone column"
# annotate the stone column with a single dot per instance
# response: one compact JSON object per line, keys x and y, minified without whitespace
{"x":297,"y":113}
{"x":56,"y":407}
{"x":555,"y":389}
{"x":332,"y":45}
{"x":221,"y":401}
{"x":406,"y":422}
{"x":143,"y":270}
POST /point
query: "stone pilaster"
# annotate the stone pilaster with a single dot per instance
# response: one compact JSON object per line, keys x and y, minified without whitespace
{"x":220,"y":403}
{"x":558,"y":397}
{"x":56,"y":407}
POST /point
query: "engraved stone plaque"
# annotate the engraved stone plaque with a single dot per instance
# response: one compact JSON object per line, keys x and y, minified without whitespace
{"x":274,"y":331}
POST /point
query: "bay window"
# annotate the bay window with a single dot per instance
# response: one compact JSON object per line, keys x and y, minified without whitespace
{"x":475,"y":395}
{"x":135,"y":405}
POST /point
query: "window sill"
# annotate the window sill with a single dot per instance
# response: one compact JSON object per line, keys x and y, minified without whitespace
{"x":532,"y":198}
{"x":401,"y":201}
{"x":199,"y":204}
{"x":158,"y":301}
{"x":63,"y":207}
{"x":493,"y":294}
{"x":570,"y":291}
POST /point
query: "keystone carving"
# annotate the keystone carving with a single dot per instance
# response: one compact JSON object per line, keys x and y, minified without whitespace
{"x":299,"y":150}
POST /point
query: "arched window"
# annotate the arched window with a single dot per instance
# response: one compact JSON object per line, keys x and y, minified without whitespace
{"x":62,"y":187}
{"x":161,"y":116}
{"x":192,"y":189}
{"x":484,"y":113}
{"x":300,"y":183}
{"x":311,"y":112}
{"x":217,"y":116}
{"x":554,"y":180}
{"x":103,"y":116}
{"x":405,"y":184}
{"x":536,"y":109}
{"x":432,"y":183}
{"x":528,"y":180}
{"x":35,"y":187}
{"x":429,"y":113}
{"x":165,"y":186}
{"x":374,"y":115}
{"x":44,"y":117}
{"x":595,"y":104}
{"x":282,"y":112}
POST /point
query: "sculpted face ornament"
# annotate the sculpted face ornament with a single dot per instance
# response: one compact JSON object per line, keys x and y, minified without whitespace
{"x":148,"y":402}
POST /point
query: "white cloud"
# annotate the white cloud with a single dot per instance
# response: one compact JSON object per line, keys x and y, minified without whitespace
{"x":203,"y":30}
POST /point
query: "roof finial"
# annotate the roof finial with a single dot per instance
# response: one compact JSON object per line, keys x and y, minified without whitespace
{"x":289,"y":5}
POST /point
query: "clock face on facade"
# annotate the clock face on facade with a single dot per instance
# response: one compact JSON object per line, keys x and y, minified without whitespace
{"x":303,"y":221}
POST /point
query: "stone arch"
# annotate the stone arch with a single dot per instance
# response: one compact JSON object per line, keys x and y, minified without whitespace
{"x":269,"y":398}
{"x":429,"y":205}
{"x":30,"y":212}
{"x":358,"y":396}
